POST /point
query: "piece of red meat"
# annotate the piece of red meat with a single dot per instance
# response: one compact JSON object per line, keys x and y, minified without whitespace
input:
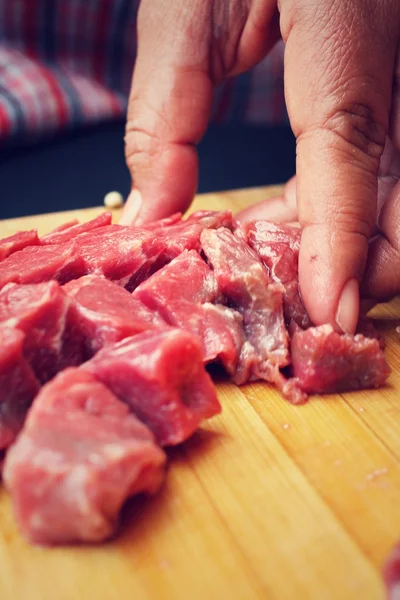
{"x":18,"y":385}
{"x":246,"y":286}
{"x":70,"y":231}
{"x":161,"y":376}
{"x":43,"y":313}
{"x":129,"y":255}
{"x":391,"y":574}
{"x":106,"y":313}
{"x":278,"y":247}
{"x":36,"y":264}
{"x":182,"y":293}
{"x":78,"y":458}
{"x":325,"y":362}
{"x":18,"y":241}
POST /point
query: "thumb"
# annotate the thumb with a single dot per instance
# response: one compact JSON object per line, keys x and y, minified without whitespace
{"x":168,"y":111}
{"x":338,"y":91}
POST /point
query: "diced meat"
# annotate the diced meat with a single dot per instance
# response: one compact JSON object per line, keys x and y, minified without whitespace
{"x":18,"y":385}
{"x":243,"y":281}
{"x":63,"y":227}
{"x":42,"y":312}
{"x":18,"y":241}
{"x":391,"y":574}
{"x":154,"y":225}
{"x":325,"y":362}
{"x":79,"y":457}
{"x":182,"y":293}
{"x":36,"y":264}
{"x":161,"y":376}
{"x":106,"y":313}
{"x":71,"y":230}
{"x":278,"y":247}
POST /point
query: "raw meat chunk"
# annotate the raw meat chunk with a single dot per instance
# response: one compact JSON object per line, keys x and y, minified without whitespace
{"x":391,"y":573}
{"x":244,"y":282}
{"x":182,"y":294}
{"x":35,"y":264}
{"x":18,"y":241}
{"x":161,"y":376}
{"x":71,"y":230}
{"x":278,"y":247}
{"x":106,"y":313}
{"x":18,"y":385}
{"x":79,"y":457}
{"x":42,"y":312}
{"x":325,"y":362}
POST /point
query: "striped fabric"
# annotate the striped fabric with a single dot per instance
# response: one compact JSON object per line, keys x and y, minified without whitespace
{"x":67,"y":63}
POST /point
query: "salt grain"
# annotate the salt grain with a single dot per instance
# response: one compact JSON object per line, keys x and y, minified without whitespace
{"x":286,"y":426}
{"x":361,"y":409}
{"x":377,"y":473}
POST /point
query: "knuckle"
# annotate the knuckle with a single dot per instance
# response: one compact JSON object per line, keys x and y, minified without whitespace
{"x":355,"y":125}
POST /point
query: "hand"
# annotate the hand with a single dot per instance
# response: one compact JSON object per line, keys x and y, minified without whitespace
{"x":340,"y":67}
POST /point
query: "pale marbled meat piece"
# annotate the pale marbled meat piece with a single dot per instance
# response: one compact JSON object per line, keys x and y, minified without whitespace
{"x":105,"y":313}
{"x":18,"y":241}
{"x":80,"y":455}
{"x":244,"y":283}
{"x":183,"y":293}
{"x":324,"y":361}
{"x":43,"y":313}
{"x":18,"y":385}
{"x":69,"y":231}
{"x":36,"y":264}
{"x":161,"y":376}
{"x":278,"y":247}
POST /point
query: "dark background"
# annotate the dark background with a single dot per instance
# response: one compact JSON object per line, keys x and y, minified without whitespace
{"x":76,"y":170}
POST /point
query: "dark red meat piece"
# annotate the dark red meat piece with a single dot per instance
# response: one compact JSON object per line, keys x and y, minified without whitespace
{"x":106,"y":313}
{"x":391,"y":574}
{"x":161,"y":376}
{"x":79,"y":457}
{"x":278,"y":247}
{"x":71,"y":230}
{"x":36,"y":264}
{"x":18,"y":241}
{"x":243,"y":281}
{"x":182,"y":293}
{"x":18,"y":385}
{"x":42,"y":312}
{"x":325,"y":362}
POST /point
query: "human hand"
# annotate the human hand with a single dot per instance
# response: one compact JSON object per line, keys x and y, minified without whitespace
{"x":340,"y":66}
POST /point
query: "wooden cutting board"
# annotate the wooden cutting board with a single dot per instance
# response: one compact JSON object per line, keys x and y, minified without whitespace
{"x":267,"y":501}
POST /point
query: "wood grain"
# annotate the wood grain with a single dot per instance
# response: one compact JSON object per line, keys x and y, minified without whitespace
{"x":266,"y":501}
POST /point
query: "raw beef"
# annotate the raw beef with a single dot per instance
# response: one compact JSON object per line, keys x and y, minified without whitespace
{"x":325,"y":362}
{"x":18,"y":385}
{"x":36,"y":264}
{"x":106,"y":313}
{"x":161,"y":376}
{"x":79,"y":457}
{"x":43,"y":313}
{"x":278,"y":247}
{"x":391,"y":574}
{"x":129,"y":255}
{"x":182,"y":293}
{"x":18,"y":241}
{"x":243,"y":281}
{"x":71,"y":230}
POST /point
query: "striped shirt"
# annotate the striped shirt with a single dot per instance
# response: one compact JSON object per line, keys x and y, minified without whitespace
{"x":68,"y":63}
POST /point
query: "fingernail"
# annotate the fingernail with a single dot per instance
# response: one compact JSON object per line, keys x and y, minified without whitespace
{"x":132,"y":208}
{"x":348,"y":307}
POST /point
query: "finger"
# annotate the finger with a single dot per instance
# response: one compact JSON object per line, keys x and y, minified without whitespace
{"x":338,"y":95}
{"x":281,"y":209}
{"x":382,"y":274}
{"x":169,"y":108}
